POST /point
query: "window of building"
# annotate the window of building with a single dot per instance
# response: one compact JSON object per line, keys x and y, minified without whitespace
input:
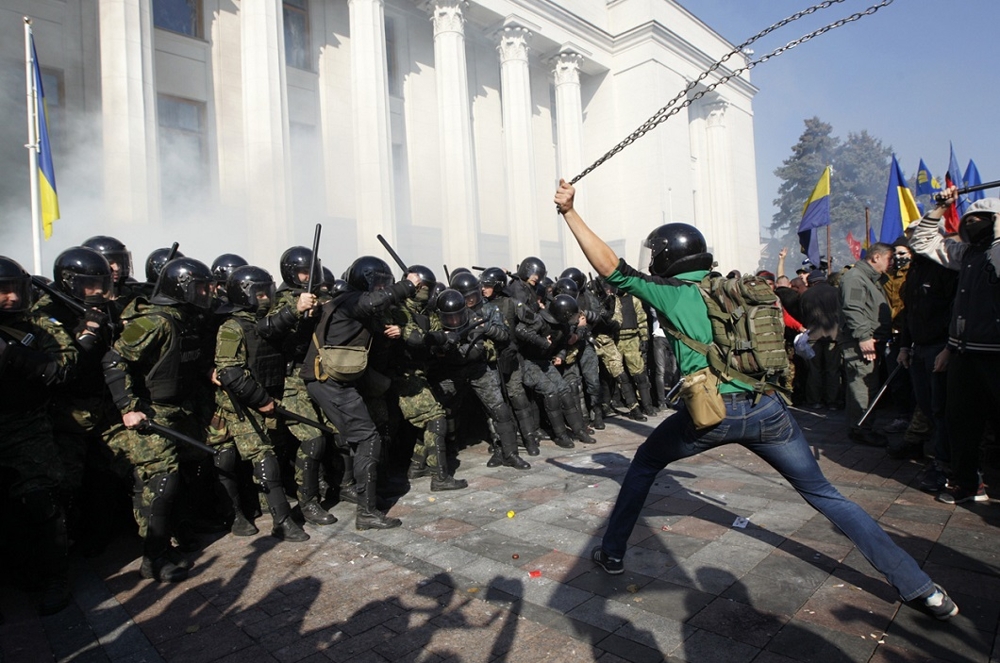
{"x":181,"y":16}
{"x":392,"y":57}
{"x":296,"y":15}
{"x":183,"y":148}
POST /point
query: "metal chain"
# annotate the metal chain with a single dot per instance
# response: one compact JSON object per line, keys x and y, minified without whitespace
{"x":671,"y":108}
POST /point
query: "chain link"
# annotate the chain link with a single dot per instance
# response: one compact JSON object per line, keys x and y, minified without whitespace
{"x":672,"y":108}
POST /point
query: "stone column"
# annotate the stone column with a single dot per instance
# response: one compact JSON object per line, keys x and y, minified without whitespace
{"x":265,"y":122}
{"x":722,"y":235}
{"x":460,"y":225}
{"x":515,"y":93}
{"x":128,"y":108}
{"x":372,"y":138}
{"x":569,"y":136}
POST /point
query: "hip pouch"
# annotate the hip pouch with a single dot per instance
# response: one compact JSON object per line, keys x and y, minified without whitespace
{"x":343,"y":363}
{"x":700,"y":393}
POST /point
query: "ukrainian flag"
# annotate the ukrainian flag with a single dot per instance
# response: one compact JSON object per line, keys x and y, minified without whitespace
{"x":900,"y":206}
{"x":815,"y":214}
{"x":46,"y":172}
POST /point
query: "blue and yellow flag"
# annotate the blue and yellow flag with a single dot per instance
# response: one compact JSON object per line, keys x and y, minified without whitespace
{"x":46,"y":172}
{"x":927,"y":184}
{"x":972,"y":179}
{"x":900,"y":206}
{"x":815,"y":214}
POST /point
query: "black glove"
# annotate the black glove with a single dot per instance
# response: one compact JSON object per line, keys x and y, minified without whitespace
{"x":435,"y":338}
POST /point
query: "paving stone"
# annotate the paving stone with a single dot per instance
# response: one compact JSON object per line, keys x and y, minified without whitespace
{"x":776,"y":595}
{"x":957,"y":639}
{"x":706,"y":647}
{"x":811,"y":643}
{"x":738,"y":621}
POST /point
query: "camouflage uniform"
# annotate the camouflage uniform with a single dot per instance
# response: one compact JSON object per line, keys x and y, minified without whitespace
{"x":417,"y":402}
{"x":633,"y":339}
{"x":37,"y":354}
{"x":251,"y":370}
{"x":155,"y":339}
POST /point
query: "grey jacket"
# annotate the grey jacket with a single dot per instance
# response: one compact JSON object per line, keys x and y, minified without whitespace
{"x":865,"y":308}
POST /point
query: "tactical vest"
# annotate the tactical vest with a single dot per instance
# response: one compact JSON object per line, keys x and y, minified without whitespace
{"x":264,"y":359}
{"x":172,"y":378}
{"x":630,"y":320}
{"x":17,"y":395}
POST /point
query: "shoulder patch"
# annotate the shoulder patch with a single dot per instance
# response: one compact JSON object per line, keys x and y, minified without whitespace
{"x":138,"y":328}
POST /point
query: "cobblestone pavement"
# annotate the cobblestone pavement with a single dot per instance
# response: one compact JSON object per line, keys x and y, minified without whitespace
{"x":501,"y":572}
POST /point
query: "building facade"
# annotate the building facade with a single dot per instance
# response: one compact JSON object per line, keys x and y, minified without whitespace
{"x":442,"y":125}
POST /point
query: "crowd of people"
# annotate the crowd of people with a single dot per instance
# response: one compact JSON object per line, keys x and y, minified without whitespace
{"x":914,"y":317}
{"x":210,"y":395}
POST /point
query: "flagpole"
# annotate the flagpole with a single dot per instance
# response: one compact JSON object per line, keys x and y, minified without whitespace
{"x":868,"y":229}
{"x":829,"y":256}
{"x":36,"y":208}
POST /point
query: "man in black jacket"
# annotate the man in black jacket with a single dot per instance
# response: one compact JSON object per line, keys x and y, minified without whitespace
{"x":927,"y":295}
{"x":351,"y":319}
{"x":819,"y":307}
{"x":972,"y":355}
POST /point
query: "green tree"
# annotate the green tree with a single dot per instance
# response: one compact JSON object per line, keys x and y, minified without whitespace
{"x":860,"y":166}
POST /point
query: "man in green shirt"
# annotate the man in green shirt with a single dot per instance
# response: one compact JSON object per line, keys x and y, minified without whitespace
{"x":678,"y":260}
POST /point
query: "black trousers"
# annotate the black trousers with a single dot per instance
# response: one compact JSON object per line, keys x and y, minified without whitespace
{"x":346,"y":409}
{"x":973,"y":396}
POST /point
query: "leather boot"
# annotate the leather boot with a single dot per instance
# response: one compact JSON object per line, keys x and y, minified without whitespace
{"x":571,"y":411}
{"x":553,"y":410}
{"x":531,"y":443}
{"x":315,"y":514}
{"x":241,"y":525}
{"x":269,"y":477}
{"x":418,"y":468}
{"x":368,"y":516}
{"x":434,"y":443}
{"x":156,"y":561}
{"x":645,"y":397}
{"x":508,"y":445}
{"x":496,"y":458}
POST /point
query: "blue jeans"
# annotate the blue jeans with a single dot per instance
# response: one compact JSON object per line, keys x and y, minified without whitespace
{"x":768,"y":430}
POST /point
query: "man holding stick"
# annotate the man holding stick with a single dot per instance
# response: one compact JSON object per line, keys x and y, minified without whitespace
{"x":759,"y":421}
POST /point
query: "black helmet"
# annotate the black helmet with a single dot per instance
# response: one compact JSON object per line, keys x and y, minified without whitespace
{"x":155,"y":262}
{"x":369,"y":273}
{"x":543,"y":289}
{"x":295,"y":261}
{"x":467,"y":284}
{"x":563,"y":309}
{"x":116,"y":254}
{"x":339,"y":286}
{"x":224,"y":266}
{"x":493,"y":277}
{"x":250,"y":288}
{"x":426,"y":275}
{"x":566,"y":286}
{"x":673,"y":249}
{"x":530,"y":266}
{"x":83,"y":274}
{"x":435,"y":293}
{"x":579,"y":278}
{"x":326,"y":287}
{"x":15,"y":287}
{"x":452,"y":310}
{"x":184,"y":281}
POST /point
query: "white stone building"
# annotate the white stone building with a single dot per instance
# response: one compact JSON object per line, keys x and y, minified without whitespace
{"x":443,"y":125}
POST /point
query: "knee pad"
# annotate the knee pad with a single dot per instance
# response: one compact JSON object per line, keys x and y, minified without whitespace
{"x":552,"y":401}
{"x":225,"y":460}
{"x":314,"y":448}
{"x":641,"y":380}
{"x":164,"y":488}
{"x":437,"y":427}
{"x":503,"y":414}
{"x":519,"y":401}
{"x":267,"y":470}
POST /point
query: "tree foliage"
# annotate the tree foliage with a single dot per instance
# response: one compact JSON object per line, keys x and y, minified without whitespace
{"x":858,"y":180}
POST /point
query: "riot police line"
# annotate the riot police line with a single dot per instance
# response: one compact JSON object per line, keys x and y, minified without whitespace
{"x":212,"y":394}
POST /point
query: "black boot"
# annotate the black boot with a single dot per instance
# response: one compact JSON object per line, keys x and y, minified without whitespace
{"x":156,"y":560}
{"x":553,"y":410}
{"x":269,"y":477}
{"x":418,"y":468}
{"x":508,"y":446}
{"x":225,"y":466}
{"x":434,"y":443}
{"x":368,"y":515}
{"x":309,"y":462}
{"x":571,"y":411}
{"x":645,"y":397}
{"x":496,"y":457}
{"x":531,"y":443}
{"x":241,"y":524}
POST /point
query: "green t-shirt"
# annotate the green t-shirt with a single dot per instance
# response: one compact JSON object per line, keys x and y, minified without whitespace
{"x":684,"y":307}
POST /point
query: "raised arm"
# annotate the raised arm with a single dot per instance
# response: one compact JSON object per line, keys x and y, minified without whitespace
{"x":601,"y":257}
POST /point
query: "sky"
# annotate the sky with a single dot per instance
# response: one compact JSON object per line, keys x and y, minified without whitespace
{"x":916,"y":74}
